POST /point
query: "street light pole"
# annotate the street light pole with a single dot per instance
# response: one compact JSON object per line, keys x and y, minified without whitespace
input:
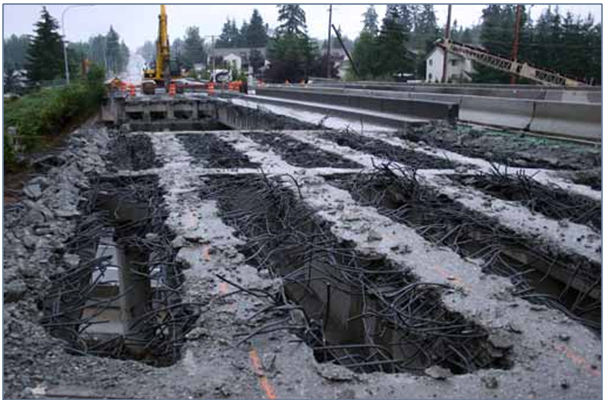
{"x":64,"y":39}
{"x":328,"y":66}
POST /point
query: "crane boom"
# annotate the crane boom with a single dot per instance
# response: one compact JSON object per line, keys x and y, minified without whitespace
{"x":523,"y":69}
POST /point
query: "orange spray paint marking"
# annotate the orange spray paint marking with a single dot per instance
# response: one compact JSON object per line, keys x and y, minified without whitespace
{"x":223,"y":288}
{"x":578,"y":360}
{"x":452,"y":279}
{"x":206,"y":253}
{"x":263,"y":381}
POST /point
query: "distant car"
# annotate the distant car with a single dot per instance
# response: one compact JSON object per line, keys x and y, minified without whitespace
{"x":403,"y":77}
{"x":189,"y":85}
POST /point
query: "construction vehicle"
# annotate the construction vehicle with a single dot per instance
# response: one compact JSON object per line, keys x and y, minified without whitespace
{"x":160,"y":73}
{"x":520,"y":69}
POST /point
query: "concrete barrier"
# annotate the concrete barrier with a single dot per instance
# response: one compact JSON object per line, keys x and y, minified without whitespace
{"x":573,"y":96}
{"x":401,"y":106}
{"x":579,"y":120}
{"x":504,"y":112}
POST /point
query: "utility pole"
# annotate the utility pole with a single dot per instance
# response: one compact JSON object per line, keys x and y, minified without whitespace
{"x":212,"y":75}
{"x":516,"y":40}
{"x":446,"y":38}
{"x":329,"y":42}
{"x":212,"y":54}
{"x":65,"y":39}
{"x":346,"y":51}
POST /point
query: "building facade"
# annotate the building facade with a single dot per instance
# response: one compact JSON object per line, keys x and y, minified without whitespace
{"x":459,"y":69}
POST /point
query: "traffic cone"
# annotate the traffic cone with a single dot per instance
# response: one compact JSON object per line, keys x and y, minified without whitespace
{"x":211,"y":88}
{"x":172,"y":89}
{"x":123,"y":87}
{"x":132,"y":91}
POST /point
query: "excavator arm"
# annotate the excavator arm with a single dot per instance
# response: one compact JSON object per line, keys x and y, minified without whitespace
{"x":161,"y":74}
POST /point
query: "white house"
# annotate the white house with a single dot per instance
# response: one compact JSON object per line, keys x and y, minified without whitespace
{"x":238,"y":57}
{"x":459,"y":69}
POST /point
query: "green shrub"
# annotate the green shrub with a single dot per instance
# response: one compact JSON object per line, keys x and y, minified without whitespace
{"x":44,"y":113}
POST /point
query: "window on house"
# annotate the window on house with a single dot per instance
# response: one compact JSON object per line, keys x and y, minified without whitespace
{"x":430,"y":76}
{"x":431,"y":62}
{"x":453,"y":62}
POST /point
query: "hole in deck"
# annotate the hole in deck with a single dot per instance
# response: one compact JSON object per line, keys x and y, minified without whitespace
{"x":132,"y":152}
{"x":135,"y":115}
{"x":569,"y":283}
{"x":359,"y":311}
{"x":211,"y":152}
{"x":181,"y":114}
{"x":121,"y":297}
{"x":156,"y":115}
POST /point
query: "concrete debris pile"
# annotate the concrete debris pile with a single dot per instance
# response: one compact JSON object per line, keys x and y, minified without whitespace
{"x":202,"y":249}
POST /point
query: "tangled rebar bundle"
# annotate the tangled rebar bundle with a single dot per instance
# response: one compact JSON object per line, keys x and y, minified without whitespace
{"x":397,"y":193}
{"x":358,"y":311}
{"x":128,"y":213}
{"x":552,"y":201}
{"x":214,"y":152}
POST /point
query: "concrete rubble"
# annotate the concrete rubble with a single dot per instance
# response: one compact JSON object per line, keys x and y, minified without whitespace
{"x":541,"y":352}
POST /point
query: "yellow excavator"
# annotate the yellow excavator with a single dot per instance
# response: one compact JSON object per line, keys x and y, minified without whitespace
{"x":160,"y":73}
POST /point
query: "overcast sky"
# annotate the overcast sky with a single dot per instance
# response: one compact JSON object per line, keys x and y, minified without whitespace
{"x":137,"y":23}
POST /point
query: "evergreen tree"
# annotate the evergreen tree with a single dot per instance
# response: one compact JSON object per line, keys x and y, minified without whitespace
{"x":124,"y":56}
{"x":44,"y":60}
{"x":256,"y":36}
{"x":392,"y":39}
{"x":193,"y":48}
{"x":15,"y":51}
{"x":371,"y":21}
{"x":113,"y":51}
{"x":291,"y":52}
{"x":230,"y":35}
{"x":292,"y":19}
{"x":497,"y":35}
{"x":176,"y":49}
{"x":406,"y":16}
{"x":243,"y":35}
{"x":98,"y":51}
{"x":148,"y":50}
{"x":365,"y":53}
{"x":425,"y":34}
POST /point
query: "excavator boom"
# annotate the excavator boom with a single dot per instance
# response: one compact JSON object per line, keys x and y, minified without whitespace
{"x":160,"y":75}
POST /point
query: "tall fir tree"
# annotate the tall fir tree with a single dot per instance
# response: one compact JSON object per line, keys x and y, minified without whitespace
{"x":257,"y":31}
{"x":44,"y":61}
{"x":425,"y":34}
{"x":393,"y":56}
{"x":114,"y":56}
{"x":371,"y":21}
{"x":291,"y":53}
{"x":292,"y":20}
{"x":365,"y":52}
{"x":230,"y":35}
{"x":193,"y":51}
